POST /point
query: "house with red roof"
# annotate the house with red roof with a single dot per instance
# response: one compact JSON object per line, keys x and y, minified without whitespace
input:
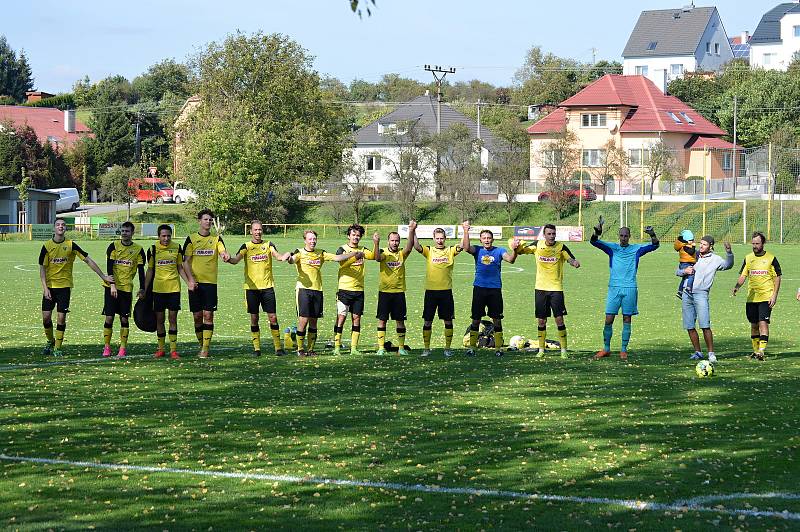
{"x":60,"y":128}
{"x":633,"y":113}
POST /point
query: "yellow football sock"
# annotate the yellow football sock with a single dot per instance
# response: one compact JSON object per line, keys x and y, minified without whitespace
{"x":198,"y":331}
{"x":255,"y":336}
{"x":401,"y":337}
{"x":562,"y":336}
{"x":107,"y":333}
{"x":123,"y":337}
{"x":161,"y":340}
{"x":755,"y":339}
{"x":473,"y":338}
{"x":337,"y":337}
{"x":355,"y":335}
{"x":381,"y":337}
{"x":498,"y":339}
{"x":48,"y":333}
{"x":426,"y":337}
{"x":208,"y":332}
{"x":542,"y":337}
{"x":173,"y":341}
{"x":60,"y":335}
{"x":762,"y":343}
{"x":312,"y":339}
{"x":448,"y":336}
{"x":276,"y":336}
{"x":301,"y":337}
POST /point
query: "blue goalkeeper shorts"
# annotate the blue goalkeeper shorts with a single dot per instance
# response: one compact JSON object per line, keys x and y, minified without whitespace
{"x":622,"y":298}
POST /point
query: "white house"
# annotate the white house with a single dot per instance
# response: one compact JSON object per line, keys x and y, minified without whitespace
{"x":665,"y":43}
{"x":376,"y":144}
{"x":776,"y":38}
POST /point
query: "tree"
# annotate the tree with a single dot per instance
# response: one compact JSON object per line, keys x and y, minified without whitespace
{"x":114,"y":140}
{"x":262,"y":128}
{"x":661,"y":165}
{"x":161,"y":79}
{"x":114,"y":184}
{"x":354,"y":181}
{"x":560,"y":159}
{"x":460,"y":169}
{"x":785,"y":152}
{"x":613,"y":164}
{"x":510,"y":164}
{"x":356,"y":5}
{"x":15,"y":72}
{"x":410,"y":167}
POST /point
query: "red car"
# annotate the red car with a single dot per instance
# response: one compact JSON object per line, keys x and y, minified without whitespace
{"x":588,"y":194}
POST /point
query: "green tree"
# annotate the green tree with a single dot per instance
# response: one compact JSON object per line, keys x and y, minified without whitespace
{"x":262,"y":128}
{"x":15,"y":73}
{"x":114,"y":184}
{"x":545,"y":78}
{"x":510,"y":164}
{"x":662,"y":165}
{"x":613,"y":165}
{"x":161,"y":79}
{"x":560,"y":157}
{"x":114,"y":141}
{"x":413,"y":161}
{"x":460,"y":169}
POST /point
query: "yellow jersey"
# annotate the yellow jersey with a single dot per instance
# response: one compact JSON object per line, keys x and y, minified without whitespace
{"x":351,"y":271}
{"x":124,"y":261}
{"x":760,"y":272}
{"x":309,"y":267}
{"x":165,"y":260}
{"x":392,"y":276}
{"x":549,"y":263}
{"x":57,"y":259}
{"x":204,"y":251}
{"x":439,"y":274}
{"x":257,"y":265}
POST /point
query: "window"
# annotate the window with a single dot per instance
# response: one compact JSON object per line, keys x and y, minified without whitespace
{"x":635,"y":157}
{"x":687,"y":118}
{"x":593,"y":158}
{"x":708,"y":47}
{"x":716,"y":48}
{"x":552,"y":158}
{"x":593,"y":120}
{"x":769,"y":59}
{"x":676,"y":69}
{"x":796,"y":31}
{"x":373,"y":162}
{"x":674,"y":117}
{"x":645,"y":157}
{"x":727,"y":160}
{"x":641,"y":70}
{"x":652,"y":45}
{"x":409,"y":161}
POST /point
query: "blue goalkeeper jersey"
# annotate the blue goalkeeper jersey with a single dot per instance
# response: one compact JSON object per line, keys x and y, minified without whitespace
{"x":487,"y":267}
{"x":623,"y":261}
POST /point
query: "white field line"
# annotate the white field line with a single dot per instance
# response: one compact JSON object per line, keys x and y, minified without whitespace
{"x":678,"y":506}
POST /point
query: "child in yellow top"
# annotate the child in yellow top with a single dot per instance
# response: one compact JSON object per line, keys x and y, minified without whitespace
{"x":684,"y":245}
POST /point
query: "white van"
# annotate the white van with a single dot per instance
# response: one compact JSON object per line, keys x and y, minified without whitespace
{"x":68,"y":199}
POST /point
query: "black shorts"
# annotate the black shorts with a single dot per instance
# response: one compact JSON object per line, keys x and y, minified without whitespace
{"x":309,"y":303}
{"x":349,"y":301}
{"x":117,"y":305}
{"x":487,"y":302}
{"x":264,"y":299}
{"x":59,"y":298}
{"x":757,"y":312}
{"x":166,"y":301}
{"x":441,"y":300}
{"x":391,"y":304}
{"x":550,"y":300}
{"x":204,"y":297}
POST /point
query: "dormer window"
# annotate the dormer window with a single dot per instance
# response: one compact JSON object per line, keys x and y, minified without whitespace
{"x":674,"y":117}
{"x":687,"y":118}
{"x":652,"y":45}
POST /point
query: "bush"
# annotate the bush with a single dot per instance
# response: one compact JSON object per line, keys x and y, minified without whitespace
{"x":785,"y":182}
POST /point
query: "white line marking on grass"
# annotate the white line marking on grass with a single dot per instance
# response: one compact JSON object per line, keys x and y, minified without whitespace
{"x":679,"y":506}
{"x":22,"y":268}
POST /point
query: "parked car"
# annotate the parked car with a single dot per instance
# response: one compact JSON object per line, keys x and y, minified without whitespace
{"x":588,"y":194}
{"x":151,"y":190}
{"x":181,"y":194}
{"x":68,"y":199}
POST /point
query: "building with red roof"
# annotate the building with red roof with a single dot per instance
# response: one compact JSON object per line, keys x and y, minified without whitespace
{"x":634,"y":114}
{"x":60,"y":128}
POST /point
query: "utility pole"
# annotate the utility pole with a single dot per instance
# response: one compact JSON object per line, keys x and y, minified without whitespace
{"x":479,"y":104}
{"x":439,"y":74}
{"x":138,"y":148}
{"x":594,"y":55}
{"x":735,"y":109}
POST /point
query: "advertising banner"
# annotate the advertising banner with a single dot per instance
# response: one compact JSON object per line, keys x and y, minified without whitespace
{"x":564,"y":233}
{"x":475,"y":231}
{"x":426,"y":231}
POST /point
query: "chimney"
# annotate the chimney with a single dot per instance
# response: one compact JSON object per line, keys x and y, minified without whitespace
{"x":745,"y":37}
{"x":69,"y":121}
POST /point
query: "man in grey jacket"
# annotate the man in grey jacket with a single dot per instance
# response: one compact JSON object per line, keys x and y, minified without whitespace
{"x":695,"y":303}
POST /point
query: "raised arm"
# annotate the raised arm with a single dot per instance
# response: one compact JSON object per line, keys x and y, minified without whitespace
{"x":376,"y":246}
{"x":653,"y":238}
{"x":727,"y":262}
{"x":598,"y":231}
{"x":412,"y":235}
{"x":511,"y":256}
{"x":465,"y":245}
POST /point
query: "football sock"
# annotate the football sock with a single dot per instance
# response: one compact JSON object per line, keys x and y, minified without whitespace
{"x":473,"y":336}
{"x":208,"y":332}
{"x":355,"y":334}
{"x":275,"y":330}
{"x":123,"y":337}
{"x":198,"y":331}
{"x":626,"y":336}
{"x":337,"y":336}
{"x":48,"y":332}
{"x":562,"y":336}
{"x":301,"y":336}
{"x":498,"y":337}
{"x":161,"y":337}
{"x":448,"y":335}
{"x":608,"y":332}
{"x":542,"y":337}
{"x":107,"y":332}
{"x":762,"y":342}
{"x":255,"y":335}
{"x":401,"y":336}
{"x":312,"y":338}
{"x":381,"y":337}
{"x":60,"y":328}
{"x":755,"y":339}
{"x":173,"y":340}
{"x":426,"y":336}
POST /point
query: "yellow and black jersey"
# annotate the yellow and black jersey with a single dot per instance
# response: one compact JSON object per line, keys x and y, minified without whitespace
{"x":123,"y":262}
{"x":549,"y":263}
{"x":204,"y":251}
{"x":761,"y":272}
{"x":309,"y":267}
{"x":439,"y":275}
{"x":165,"y":261}
{"x":392,"y":277}
{"x":57,"y":259}
{"x":351,"y":271}
{"x":257,"y":265}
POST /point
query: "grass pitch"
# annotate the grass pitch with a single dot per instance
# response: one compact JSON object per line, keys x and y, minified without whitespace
{"x":555,"y":443}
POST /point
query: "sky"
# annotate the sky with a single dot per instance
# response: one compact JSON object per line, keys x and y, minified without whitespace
{"x":67,"y":40}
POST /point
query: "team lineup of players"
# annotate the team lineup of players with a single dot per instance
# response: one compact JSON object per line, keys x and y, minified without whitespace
{"x":196,"y":262}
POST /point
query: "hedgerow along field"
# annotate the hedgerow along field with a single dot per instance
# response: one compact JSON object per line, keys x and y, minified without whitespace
{"x":554,"y":443}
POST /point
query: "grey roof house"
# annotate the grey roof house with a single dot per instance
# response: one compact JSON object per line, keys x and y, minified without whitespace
{"x":776,"y":38}
{"x":666,"y":43}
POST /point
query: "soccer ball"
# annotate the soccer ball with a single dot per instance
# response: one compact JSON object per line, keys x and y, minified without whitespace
{"x":704,"y":368}
{"x":517,"y":342}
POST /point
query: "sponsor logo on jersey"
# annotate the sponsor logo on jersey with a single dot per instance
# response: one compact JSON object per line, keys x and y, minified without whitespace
{"x":58,"y":260}
{"x":394,"y":264}
{"x":259,"y":258}
{"x":313,"y":262}
{"x":759,"y":272}
{"x":204,"y":252}
{"x":487,"y":259}
{"x":550,"y":260}
{"x":123,"y":262}
{"x":439,"y":260}
{"x":165,"y":262}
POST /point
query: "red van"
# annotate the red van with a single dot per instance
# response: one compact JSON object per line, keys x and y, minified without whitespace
{"x":151,"y":190}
